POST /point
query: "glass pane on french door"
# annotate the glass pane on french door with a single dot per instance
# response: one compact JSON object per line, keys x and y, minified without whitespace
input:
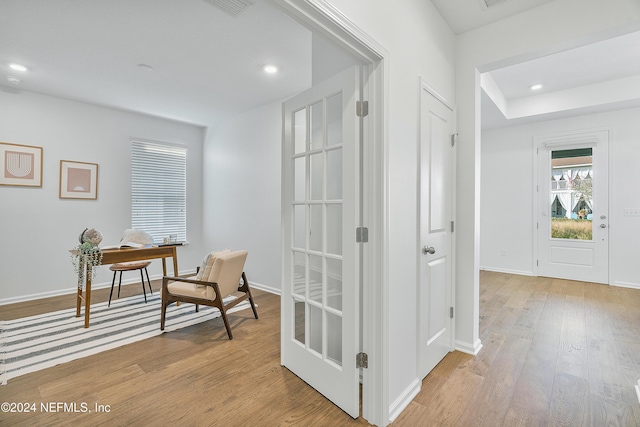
{"x":316,"y":253}
{"x":572,"y":194}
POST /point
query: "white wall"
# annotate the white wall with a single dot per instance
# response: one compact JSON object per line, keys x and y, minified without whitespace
{"x":37,"y":228}
{"x":241,"y":188}
{"x":507,"y":161}
{"x":560,"y":24}
{"x":420,"y":44}
{"x":506,"y":212}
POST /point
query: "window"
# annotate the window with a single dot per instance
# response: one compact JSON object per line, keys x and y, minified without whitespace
{"x":571,"y":193}
{"x":159,"y":189}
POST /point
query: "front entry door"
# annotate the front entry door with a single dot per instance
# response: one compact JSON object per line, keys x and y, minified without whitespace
{"x":573,"y":206}
{"x":320,"y":207}
{"x":436,"y":187}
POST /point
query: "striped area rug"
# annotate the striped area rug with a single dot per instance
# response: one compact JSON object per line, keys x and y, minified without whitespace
{"x":38,"y":342}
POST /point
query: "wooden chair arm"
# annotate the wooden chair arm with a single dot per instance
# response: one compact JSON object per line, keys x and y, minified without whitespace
{"x":166,"y":279}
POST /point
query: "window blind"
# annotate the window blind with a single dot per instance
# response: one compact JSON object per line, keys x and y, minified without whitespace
{"x":159,"y":189}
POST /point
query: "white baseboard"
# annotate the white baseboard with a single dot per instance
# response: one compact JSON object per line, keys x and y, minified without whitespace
{"x":31,"y":297}
{"x":74,"y":290}
{"x":472,"y":349}
{"x":404,"y":399}
{"x":265,"y":288}
{"x":508,"y":271}
{"x":102,"y":285}
{"x":627,"y":285}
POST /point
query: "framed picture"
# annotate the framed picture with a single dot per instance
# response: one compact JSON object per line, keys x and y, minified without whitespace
{"x":78,"y":180}
{"x":21,"y":165}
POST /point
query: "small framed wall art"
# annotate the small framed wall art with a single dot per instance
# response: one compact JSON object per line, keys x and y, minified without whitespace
{"x":21,"y":165}
{"x":78,"y":180}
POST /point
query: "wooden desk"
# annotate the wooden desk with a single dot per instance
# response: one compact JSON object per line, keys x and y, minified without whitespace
{"x":112,"y":256}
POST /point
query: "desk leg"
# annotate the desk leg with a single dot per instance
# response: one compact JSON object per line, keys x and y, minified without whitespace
{"x":175,"y":267}
{"x":79,"y":301}
{"x":87,"y":300}
{"x":175,"y":262}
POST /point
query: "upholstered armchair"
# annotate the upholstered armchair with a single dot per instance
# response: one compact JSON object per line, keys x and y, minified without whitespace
{"x":220,"y":275}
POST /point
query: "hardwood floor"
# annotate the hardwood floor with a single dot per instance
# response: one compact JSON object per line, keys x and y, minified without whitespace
{"x":194,"y":376}
{"x":556,"y":353}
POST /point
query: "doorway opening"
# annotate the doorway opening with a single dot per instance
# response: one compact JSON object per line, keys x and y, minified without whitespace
{"x":323,"y":19}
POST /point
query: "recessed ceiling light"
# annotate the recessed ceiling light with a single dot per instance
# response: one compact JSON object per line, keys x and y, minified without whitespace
{"x":18,"y":67}
{"x":536,"y":86}
{"x":271,"y":69}
{"x":14,"y":80}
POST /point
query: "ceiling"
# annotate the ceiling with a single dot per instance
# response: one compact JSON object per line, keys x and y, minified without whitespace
{"x":467,"y":15}
{"x":183,"y":60}
{"x":598,"y":77}
{"x":193,"y":62}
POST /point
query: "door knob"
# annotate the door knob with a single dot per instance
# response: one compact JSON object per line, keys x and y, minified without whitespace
{"x":603,"y":225}
{"x":429,"y":250}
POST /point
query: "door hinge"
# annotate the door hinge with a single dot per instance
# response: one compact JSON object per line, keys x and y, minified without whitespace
{"x":362,"y":235}
{"x":362,"y":108}
{"x":451,"y":312}
{"x":537,"y":263}
{"x":454,"y":139}
{"x":452,"y":226}
{"x":362,"y":360}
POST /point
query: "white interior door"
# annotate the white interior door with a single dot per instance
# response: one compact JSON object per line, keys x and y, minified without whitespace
{"x":320,"y":310}
{"x":573,"y":206}
{"x":435,"y":332}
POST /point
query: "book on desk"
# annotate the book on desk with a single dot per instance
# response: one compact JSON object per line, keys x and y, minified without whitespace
{"x":134,"y":245}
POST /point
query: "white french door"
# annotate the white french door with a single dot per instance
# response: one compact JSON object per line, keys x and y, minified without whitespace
{"x":320,"y":207}
{"x":573,"y":206}
{"x":435,"y":332}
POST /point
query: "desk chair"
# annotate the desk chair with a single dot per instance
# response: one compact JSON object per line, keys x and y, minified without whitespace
{"x":221,"y":275}
{"x":135,"y":236}
{"x":130,"y":266}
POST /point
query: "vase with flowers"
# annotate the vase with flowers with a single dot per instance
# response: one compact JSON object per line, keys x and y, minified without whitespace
{"x":87,"y":255}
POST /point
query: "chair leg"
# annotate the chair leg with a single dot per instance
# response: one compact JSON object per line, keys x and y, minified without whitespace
{"x":113,"y":282}
{"x":247,"y":290}
{"x":119,"y":283}
{"x":163,"y":312}
{"x":143,"y":289}
{"x":148,"y":281}
{"x":253,"y":306}
{"x":226,"y":322}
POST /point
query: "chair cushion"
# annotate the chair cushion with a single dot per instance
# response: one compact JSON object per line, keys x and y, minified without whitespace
{"x":227,"y":271}
{"x":191,"y":290}
{"x":207,"y":264}
{"x":130,"y":265}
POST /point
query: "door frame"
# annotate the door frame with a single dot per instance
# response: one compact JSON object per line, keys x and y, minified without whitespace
{"x":568,"y":137}
{"x":322,"y":17}
{"x":424,"y":86}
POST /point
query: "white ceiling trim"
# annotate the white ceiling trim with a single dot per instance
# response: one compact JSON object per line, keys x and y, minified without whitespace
{"x":619,"y":91}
